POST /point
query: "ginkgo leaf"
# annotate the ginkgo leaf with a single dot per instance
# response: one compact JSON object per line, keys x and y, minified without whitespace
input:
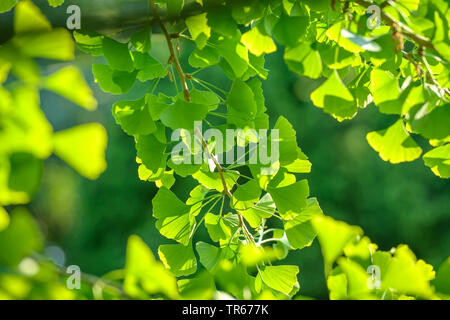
{"x":394,"y":144}
{"x":151,"y":151}
{"x":385,"y":91}
{"x":304,"y":60}
{"x":7,"y":5}
{"x":69,"y":83}
{"x":141,"y":40}
{"x":117,"y":55}
{"x":182,"y":114}
{"x":83,"y":147}
{"x":199,"y":29}
{"x":20,"y":239}
{"x":438,"y":159}
{"x":178,"y":259}
{"x":56,"y":44}
{"x":333,"y":237}
{"x":113,"y":81}
{"x":299,"y":230}
{"x":290,"y":200}
{"x":134,"y":117}
{"x":149,"y":68}
{"x":246,"y":195}
{"x":258,"y":43}
{"x":27,"y":17}
{"x":434,"y":124}
{"x":174,"y":218}
{"x":143,"y":272}
{"x":335,"y":99}
{"x":280,"y":278}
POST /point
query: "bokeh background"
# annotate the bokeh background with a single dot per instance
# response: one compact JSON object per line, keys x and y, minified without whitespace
{"x":91,"y":220}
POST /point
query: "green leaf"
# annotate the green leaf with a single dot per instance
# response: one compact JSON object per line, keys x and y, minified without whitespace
{"x":364,"y":43}
{"x":174,"y":7}
{"x":117,"y":55}
{"x":113,"y":81}
{"x":287,"y":141}
{"x":258,"y":43}
{"x":56,"y":44}
{"x":385,"y":91}
{"x":280,"y":278}
{"x":199,"y":29}
{"x":246,"y":195}
{"x":438,"y":160}
{"x":335,"y":33}
{"x":89,"y":42}
{"x":167,"y":180}
{"x":21,"y":238}
{"x":434,"y":124}
{"x":242,"y":107}
{"x":217,"y":227}
{"x":200,"y":287}
{"x":27,"y":129}
{"x":442,"y":281}
{"x":178,"y":259}
{"x":394,"y":144}
{"x":182,"y":114}
{"x":134,"y":117}
{"x":204,"y":58}
{"x":289,"y":30}
{"x":83,"y":147}
{"x":407,"y":275}
{"x":335,"y":99}
{"x":207,"y":98}
{"x":290,"y":200}
{"x":55,"y":3}
{"x":27,"y":17}
{"x":304,"y":60}
{"x":300,"y":165}
{"x":333,"y":237}
{"x":151,"y":151}
{"x":149,"y":68}
{"x":212,"y":180}
{"x":25,"y":174}
{"x":69,"y":83}
{"x":143,"y":272}
{"x":263,"y":209}
{"x":7,"y":5}
{"x":211,"y":255}
{"x":141,"y":40}
{"x":299,"y":230}
{"x":4,"y":219}
{"x":174,"y":220}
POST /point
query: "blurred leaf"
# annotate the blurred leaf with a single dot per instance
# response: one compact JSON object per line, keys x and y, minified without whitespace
{"x":178,"y":259}
{"x":69,"y":83}
{"x":83,"y":147}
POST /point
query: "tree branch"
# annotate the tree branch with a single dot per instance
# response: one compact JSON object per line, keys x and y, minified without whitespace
{"x":173,"y":56}
{"x":405,"y":30}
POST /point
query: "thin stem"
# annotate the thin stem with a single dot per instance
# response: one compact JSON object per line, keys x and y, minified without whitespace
{"x":173,"y":56}
{"x":405,"y":30}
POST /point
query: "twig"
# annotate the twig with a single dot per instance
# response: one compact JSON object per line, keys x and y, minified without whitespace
{"x":173,"y":56}
{"x":405,"y":30}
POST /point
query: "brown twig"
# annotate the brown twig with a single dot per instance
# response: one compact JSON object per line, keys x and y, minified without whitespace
{"x":173,"y":55}
{"x":405,"y":30}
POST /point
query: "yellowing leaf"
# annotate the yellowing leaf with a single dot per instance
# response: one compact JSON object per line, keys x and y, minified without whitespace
{"x":258,"y":43}
{"x":69,"y":83}
{"x":83,"y":147}
{"x":394,"y":144}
